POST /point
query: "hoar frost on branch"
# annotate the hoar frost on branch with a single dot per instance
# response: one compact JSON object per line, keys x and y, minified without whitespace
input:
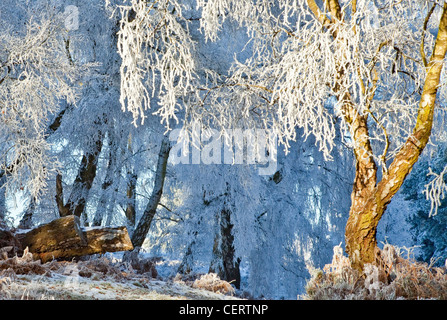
{"x":35,"y":75}
{"x":435,"y":190}
{"x":156,"y":51}
{"x":297,"y":67}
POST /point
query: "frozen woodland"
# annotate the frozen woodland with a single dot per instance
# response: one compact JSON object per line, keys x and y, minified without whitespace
{"x":228,"y":136}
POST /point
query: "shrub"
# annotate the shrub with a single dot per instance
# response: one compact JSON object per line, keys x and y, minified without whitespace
{"x":212,"y":282}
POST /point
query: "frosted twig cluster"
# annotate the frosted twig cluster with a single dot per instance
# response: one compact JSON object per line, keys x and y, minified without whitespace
{"x":302,"y":72}
{"x":156,"y":51}
{"x":298,"y":67}
{"x":435,"y":190}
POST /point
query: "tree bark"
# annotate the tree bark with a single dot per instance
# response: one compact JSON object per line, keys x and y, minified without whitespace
{"x":2,"y":197}
{"x":84,"y":180}
{"x":59,"y":234}
{"x":131,"y":198}
{"x":64,"y":238}
{"x":104,"y":203}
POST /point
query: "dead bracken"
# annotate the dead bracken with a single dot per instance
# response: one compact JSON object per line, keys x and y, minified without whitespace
{"x":393,"y":278}
{"x":98,"y":277}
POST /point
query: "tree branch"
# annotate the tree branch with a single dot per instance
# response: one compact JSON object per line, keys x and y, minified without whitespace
{"x":427,"y":19}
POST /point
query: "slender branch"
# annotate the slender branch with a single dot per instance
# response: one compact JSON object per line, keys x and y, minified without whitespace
{"x":162,"y":205}
{"x":427,"y":19}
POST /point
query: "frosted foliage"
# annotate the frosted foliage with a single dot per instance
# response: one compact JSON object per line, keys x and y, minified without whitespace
{"x":35,"y":74}
{"x":435,"y":190}
{"x":156,"y":51}
{"x":297,"y":66}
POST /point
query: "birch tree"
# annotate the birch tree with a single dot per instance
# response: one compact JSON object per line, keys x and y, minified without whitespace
{"x":373,"y":67}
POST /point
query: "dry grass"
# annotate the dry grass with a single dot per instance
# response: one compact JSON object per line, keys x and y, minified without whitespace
{"x":394,"y":277}
{"x":212,"y":282}
{"x":98,"y":278}
{"x":22,"y":265}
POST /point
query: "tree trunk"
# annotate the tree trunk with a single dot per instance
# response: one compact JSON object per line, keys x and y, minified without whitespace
{"x":84,"y":180}
{"x":369,"y":204}
{"x":2,"y":197}
{"x":144,"y":224}
{"x":104,"y":203}
{"x":27,"y":220}
{"x":64,"y":238}
{"x":187,"y":263}
{"x":131,"y":200}
{"x":224,"y":263}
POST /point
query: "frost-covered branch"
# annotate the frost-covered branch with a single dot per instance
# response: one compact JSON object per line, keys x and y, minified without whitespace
{"x":435,"y":190}
{"x":306,"y":55}
{"x":157,"y":57}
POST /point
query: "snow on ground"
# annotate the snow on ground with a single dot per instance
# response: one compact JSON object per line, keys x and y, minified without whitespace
{"x":62,"y":287}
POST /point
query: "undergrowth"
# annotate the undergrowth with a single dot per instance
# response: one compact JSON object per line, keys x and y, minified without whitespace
{"x":393,"y":277}
{"x":25,"y":278}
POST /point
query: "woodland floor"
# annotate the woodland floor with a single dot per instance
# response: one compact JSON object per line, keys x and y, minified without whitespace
{"x":101,"y":279}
